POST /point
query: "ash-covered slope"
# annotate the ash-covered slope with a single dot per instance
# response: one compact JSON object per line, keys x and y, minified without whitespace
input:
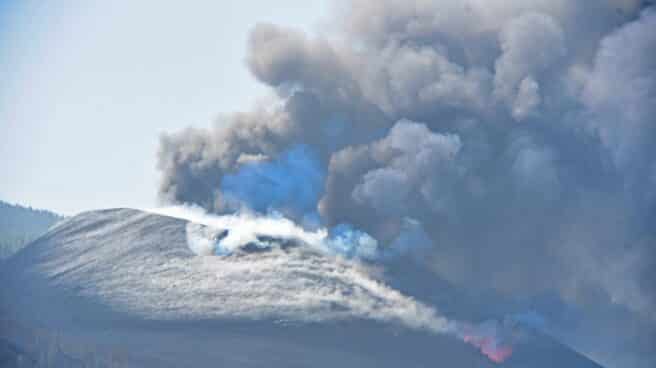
{"x":126,"y":283}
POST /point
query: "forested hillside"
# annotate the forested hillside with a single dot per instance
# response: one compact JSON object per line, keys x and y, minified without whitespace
{"x":20,"y":225}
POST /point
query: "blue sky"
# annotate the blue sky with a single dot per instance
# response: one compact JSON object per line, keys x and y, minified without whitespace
{"x":88,"y":86}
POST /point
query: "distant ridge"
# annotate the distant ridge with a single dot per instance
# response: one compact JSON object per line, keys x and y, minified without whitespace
{"x":20,"y":225}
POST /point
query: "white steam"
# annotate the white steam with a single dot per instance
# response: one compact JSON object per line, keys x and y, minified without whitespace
{"x":312,"y":283}
{"x":309,"y":283}
{"x":244,"y":228}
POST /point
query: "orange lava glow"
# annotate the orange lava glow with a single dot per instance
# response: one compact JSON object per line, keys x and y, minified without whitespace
{"x":496,"y":352}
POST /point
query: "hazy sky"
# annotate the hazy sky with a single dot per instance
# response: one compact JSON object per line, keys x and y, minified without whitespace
{"x":87,"y":87}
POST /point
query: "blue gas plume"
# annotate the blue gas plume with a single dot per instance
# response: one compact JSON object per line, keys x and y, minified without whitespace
{"x":293,"y":182}
{"x":350,"y":242}
{"x":290,"y":185}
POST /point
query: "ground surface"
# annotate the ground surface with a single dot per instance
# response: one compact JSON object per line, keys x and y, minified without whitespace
{"x":122,"y":288}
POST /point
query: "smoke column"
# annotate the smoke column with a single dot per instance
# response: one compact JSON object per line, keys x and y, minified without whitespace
{"x":497,"y":132}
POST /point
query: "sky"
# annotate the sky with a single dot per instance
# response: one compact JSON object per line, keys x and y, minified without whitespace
{"x":88,"y":87}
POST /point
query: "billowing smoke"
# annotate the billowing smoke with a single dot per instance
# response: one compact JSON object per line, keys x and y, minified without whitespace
{"x":513,"y":140}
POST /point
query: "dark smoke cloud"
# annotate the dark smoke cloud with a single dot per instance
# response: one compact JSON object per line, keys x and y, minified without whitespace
{"x":520,"y":135}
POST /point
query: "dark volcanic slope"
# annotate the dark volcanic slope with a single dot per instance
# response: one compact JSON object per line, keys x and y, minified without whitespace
{"x":122,"y":285}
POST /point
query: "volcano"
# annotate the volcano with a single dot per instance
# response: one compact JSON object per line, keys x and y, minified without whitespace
{"x":124,"y":287}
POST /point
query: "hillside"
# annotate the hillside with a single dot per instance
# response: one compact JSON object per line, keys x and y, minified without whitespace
{"x":19,"y":225}
{"x":123,"y":288}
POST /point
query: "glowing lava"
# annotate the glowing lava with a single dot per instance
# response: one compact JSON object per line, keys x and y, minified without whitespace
{"x":492,"y":349}
{"x":494,"y":339}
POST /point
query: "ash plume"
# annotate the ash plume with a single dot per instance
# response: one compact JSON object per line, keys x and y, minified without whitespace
{"x":518,"y":135}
